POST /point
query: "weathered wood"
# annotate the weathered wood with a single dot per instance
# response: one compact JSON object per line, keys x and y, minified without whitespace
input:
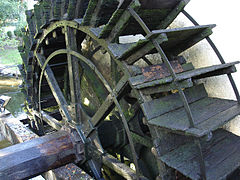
{"x":16,"y":132}
{"x":120,"y":168}
{"x":169,"y":103}
{"x":153,"y":4}
{"x":196,"y":73}
{"x":36,"y":156}
{"x":166,"y":87}
{"x":57,"y":93}
{"x":38,"y":20}
{"x":132,"y":52}
{"x":71,"y":9}
{"x":221,"y":156}
{"x":173,"y":34}
{"x":118,"y":22}
{"x":107,"y":105}
{"x":178,"y":40}
{"x":46,"y":7}
{"x":208,"y":114}
{"x":173,"y":14}
{"x":74,"y":76}
{"x":67,"y":172}
{"x":114,"y":20}
{"x":206,"y":71}
{"x":56,"y":10}
{"x":158,"y":16}
{"x":99,"y":12}
{"x":154,"y":72}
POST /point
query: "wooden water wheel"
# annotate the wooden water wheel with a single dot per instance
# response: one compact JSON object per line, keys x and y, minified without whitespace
{"x":150,"y":115}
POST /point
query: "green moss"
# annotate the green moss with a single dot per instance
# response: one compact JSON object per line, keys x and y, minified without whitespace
{"x":91,"y":6}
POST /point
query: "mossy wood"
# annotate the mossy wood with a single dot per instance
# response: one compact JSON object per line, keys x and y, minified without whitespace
{"x":120,"y":97}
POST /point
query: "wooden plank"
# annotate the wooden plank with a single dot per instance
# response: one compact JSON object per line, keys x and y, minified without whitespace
{"x":72,"y":7}
{"x":220,"y":119}
{"x":46,"y":8}
{"x":165,"y":104}
{"x":167,"y":87}
{"x":139,"y":50}
{"x":173,"y":14}
{"x":67,"y":172}
{"x":201,"y":71}
{"x":211,"y":70}
{"x":175,"y":33}
{"x":220,"y":156}
{"x":118,"y":50}
{"x":99,"y":12}
{"x":51,"y":121}
{"x":151,"y":73}
{"x":38,"y":20}
{"x":56,"y":10}
{"x":227,"y":70}
{"x":208,"y":115}
{"x":178,"y":40}
{"x":153,"y":4}
{"x":159,"y":17}
{"x":118,"y":21}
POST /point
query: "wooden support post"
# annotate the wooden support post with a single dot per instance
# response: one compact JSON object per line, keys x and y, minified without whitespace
{"x":36,"y":156}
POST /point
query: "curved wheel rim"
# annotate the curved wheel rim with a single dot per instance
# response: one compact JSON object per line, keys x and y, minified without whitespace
{"x":96,"y":71}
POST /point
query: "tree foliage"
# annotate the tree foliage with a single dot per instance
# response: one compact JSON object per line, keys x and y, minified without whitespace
{"x":11,"y":10}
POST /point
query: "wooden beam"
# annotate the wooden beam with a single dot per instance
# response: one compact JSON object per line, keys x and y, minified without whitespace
{"x":74,"y":75}
{"x":53,"y":84}
{"x":36,"y":156}
{"x":13,"y":130}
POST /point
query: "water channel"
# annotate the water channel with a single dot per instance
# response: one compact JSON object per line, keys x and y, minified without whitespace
{"x":9,"y":86}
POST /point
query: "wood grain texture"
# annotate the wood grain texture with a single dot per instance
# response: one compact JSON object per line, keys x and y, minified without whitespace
{"x":36,"y":156}
{"x":139,"y":83}
{"x":208,"y":113}
{"x":169,"y":103}
{"x":221,"y":156}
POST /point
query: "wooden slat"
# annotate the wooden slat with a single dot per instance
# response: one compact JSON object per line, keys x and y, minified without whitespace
{"x":167,"y":87}
{"x":121,"y":23}
{"x":118,"y":21}
{"x":159,"y":17}
{"x":208,"y":114}
{"x":151,"y":73}
{"x":173,"y":14}
{"x":173,"y":34}
{"x":159,"y":71}
{"x":179,"y":40}
{"x":38,"y":20}
{"x":99,"y":12}
{"x":46,"y":8}
{"x":122,"y":51}
{"x":221,"y":156}
{"x":153,"y":4}
{"x":165,"y":104}
{"x":201,"y":71}
{"x":138,"y":82}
